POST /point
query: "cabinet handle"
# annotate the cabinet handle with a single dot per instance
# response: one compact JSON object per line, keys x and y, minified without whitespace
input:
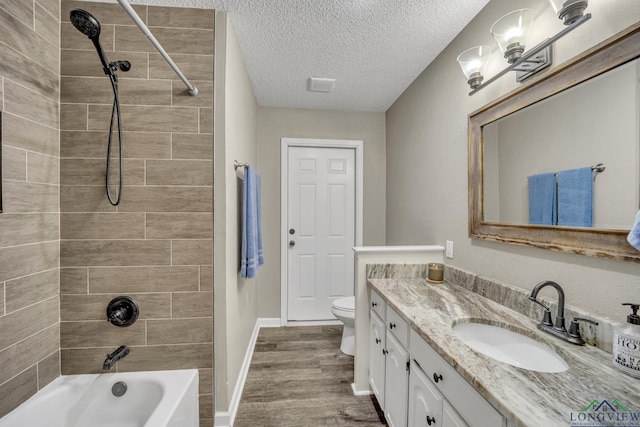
{"x":374,"y":304}
{"x":392,"y":325}
{"x":385,"y":352}
{"x":378,"y":340}
{"x":430,"y":420}
{"x":437,"y":377}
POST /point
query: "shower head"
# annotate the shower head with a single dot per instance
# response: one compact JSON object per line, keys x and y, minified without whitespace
{"x":85,"y":23}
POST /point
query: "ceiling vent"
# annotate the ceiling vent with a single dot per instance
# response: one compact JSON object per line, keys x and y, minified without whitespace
{"x":317,"y":84}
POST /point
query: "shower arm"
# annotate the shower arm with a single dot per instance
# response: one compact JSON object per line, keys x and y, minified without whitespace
{"x":193,"y":91}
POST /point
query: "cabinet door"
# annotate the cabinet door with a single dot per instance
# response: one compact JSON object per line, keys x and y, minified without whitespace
{"x":425,"y":401}
{"x":450,"y":417}
{"x":396,"y":383}
{"x":376,"y":356}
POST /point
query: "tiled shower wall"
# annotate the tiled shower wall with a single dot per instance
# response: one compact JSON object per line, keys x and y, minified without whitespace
{"x":156,"y":246}
{"x":29,"y":230}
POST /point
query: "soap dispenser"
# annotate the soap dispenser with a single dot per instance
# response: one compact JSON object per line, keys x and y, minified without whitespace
{"x":626,"y":344}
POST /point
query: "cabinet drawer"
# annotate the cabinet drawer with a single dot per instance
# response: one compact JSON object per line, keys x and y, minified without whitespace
{"x":378,"y":304}
{"x":462,"y":396}
{"x":398,"y":327}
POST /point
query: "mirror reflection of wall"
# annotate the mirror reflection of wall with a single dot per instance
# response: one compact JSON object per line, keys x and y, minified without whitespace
{"x":595,"y":122}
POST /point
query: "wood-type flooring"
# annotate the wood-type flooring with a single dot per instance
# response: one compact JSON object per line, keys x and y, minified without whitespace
{"x":298,"y":377}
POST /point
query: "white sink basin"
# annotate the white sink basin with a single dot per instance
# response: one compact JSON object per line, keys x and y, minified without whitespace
{"x":510,"y":347}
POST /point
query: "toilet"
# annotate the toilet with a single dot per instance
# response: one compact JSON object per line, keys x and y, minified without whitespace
{"x":345,"y":310}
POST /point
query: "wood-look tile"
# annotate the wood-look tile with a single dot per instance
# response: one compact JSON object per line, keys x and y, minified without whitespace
{"x":196,"y":67}
{"x":206,"y":422}
{"x":180,"y":331}
{"x":205,"y":380}
{"x":21,"y":133}
{"x":85,"y":63}
{"x":70,"y":38}
{"x":91,"y":144}
{"x":49,"y":368}
{"x":24,"y":71}
{"x":192,"y":252}
{"x":146,"y":118}
{"x":17,"y":390}
{"x":206,"y":278}
{"x":83,"y":360}
{"x":42,"y":168}
{"x":102,"y":226}
{"x":14,"y":163}
{"x":173,"y":40}
{"x":98,"y":90}
{"x":92,"y":306}
{"x":28,"y":352}
{"x":74,"y":281}
{"x":180,"y":172}
{"x":18,"y":261}
{"x":74,"y":117}
{"x":92,"y":171}
{"x":179,"y":225}
{"x":191,"y":304}
{"x":100,"y":334}
{"x":166,"y":199}
{"x":206,"y":120}
{"x":78,"y":253}
{"x":181,"y":17}
{"x":2,"y":312}
{"x":29,"y":197}
{"x":159,"y":357}
{"x":23,"y":323}
{"x":105,"y":13}
{"x":85,"y":198}
{"x":47,"y":25}
{"x":181,"y":97}
{"x":143,"y":279}
{"x":31,"y":105}
{"x":20,"y":36}
{"x":21,"y":9}
{"x":32,"y":289}
{"x":206,"y":406}
{"x":192,"y":146}
{"x":51,"y":6}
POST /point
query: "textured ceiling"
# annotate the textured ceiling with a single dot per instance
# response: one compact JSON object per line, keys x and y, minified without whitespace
{"x":373,"y":48}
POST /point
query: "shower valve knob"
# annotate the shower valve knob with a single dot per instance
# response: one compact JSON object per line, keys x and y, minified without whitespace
{"x":122,"y":311}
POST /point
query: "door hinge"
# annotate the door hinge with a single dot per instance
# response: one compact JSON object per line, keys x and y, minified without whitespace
{"x":408,"y":365}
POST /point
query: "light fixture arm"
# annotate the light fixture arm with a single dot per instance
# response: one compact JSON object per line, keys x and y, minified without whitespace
{"x":531,"y":53}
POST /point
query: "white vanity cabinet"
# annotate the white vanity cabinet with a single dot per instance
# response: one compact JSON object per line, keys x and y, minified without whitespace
{"x":461,"y":404}
{"x":388,"y":360}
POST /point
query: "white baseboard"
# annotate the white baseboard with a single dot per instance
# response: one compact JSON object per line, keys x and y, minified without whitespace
{"x":226,"y":418}
{"x":313,"y":322}
{"x":360,"y":392}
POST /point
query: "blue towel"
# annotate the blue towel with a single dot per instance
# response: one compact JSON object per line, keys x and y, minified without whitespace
{"x":542,"y":199}
{"x":575,"y":197}
{"x":634,"y":235}
{"x":251,"y":225}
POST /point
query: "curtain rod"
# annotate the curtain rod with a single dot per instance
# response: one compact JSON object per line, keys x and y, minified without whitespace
{"x":193,"y":91}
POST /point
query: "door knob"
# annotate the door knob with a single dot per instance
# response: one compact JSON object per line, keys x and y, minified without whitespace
{"x":292,"y":243}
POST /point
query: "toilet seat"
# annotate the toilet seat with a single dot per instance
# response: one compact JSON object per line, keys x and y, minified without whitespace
{"x":346,"y":304}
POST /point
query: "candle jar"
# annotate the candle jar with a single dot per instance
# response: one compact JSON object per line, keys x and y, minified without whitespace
{"x":436,"y":272}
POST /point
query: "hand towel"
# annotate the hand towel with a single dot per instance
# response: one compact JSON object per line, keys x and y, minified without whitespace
{"x":575,"y":197}
{"x":542,"y":198}
{"x":634,"y":235}
{"x":251,"y":252}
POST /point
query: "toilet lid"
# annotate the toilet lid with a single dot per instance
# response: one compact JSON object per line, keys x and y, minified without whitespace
{"x":346,"y":303}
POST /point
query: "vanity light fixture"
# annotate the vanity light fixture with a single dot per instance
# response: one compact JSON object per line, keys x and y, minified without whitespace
{"x":511,"y":31}
{"x":474,"y":63}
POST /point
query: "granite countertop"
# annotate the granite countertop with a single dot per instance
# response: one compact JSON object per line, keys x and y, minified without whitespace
{"x":525,"y":398}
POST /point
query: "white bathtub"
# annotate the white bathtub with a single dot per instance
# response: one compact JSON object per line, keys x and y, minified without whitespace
{"x":152,"y":399}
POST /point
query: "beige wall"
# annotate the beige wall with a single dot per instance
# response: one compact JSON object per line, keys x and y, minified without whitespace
{"x":157,"y":244}
{"x":29,"y":230}
{"x":277,"y":123}
{"x":427,"y":150}
{"x":236,"y":298}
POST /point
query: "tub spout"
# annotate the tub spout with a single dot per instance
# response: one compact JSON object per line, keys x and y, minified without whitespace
{"x":112,"y":358}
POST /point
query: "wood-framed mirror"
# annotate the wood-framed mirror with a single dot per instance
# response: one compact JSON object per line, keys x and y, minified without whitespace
{"x":605,"y":239}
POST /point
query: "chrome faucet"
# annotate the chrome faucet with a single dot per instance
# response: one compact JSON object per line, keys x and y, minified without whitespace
{"x":558,"y":328}
{"x":112,"y":358}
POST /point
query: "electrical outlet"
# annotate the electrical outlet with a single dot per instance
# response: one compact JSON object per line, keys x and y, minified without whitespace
{"x":449,"y":250}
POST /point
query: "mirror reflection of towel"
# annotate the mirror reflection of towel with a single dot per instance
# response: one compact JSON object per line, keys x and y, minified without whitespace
{"x":542,"y":199}
{"x":575,"y":197}
{"x":634,"y":235}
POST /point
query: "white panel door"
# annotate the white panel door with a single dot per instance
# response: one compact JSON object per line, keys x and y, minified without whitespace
{"x":320,"y":231}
